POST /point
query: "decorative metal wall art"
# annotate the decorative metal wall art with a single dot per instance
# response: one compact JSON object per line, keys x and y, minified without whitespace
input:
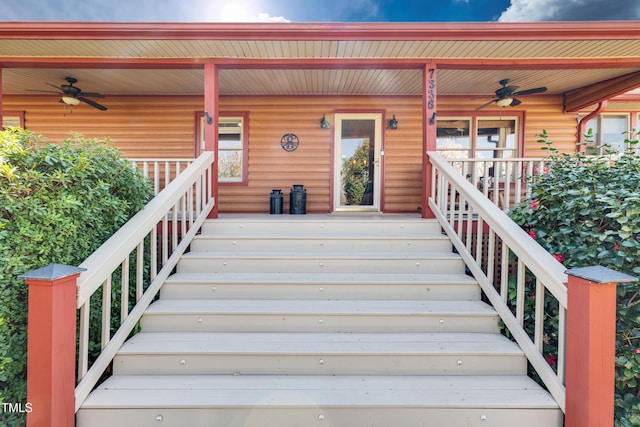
{"x":289,"y":142}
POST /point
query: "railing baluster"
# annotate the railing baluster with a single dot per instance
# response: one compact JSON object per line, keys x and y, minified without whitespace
{"x":165,"y":239}
{"x":539,"y":317}
{"x":139,"y":270}
{"x":156,"y":177}
{"x":562,"y":342}
{"x":520,"y":298}
{"x":83,"y":336}
{"x":506,"y":202}
{"x":504,"y":272}
{"x":124,"y":291}
{"x":167,"y":173}
{"x":154,"y":253}
{"x":106,"y":312}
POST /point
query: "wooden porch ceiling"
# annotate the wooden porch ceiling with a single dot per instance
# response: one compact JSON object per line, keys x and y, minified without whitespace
{"x":282,"y":59}
{"x":300,"y":81}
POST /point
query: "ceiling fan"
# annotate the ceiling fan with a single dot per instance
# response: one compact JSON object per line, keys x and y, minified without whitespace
{"x":73,"y":95}
{"x":506,"y":95}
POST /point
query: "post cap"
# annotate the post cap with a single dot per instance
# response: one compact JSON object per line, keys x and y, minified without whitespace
{"x":600,"y":274}
{"x":52,"y":272}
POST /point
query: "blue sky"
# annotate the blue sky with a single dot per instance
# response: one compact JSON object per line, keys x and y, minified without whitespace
{"x":317,"y":10}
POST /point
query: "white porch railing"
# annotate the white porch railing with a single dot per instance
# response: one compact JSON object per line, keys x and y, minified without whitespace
{"x":504,"y":181}
{"x":161,"y":171}
{"x":479,"y":231}
{"x":136,"y":260}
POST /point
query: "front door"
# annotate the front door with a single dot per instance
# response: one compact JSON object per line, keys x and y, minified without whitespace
{"x":358,"y":141}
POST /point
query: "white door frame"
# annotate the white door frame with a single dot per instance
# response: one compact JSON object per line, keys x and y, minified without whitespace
{"x":337,"y":162}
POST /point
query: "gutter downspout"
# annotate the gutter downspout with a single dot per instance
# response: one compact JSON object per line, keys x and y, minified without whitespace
{"x":583,"y":122}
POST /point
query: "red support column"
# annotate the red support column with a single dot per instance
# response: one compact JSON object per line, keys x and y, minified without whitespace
{"x":0,"y":98}
{"x":51,"y":346}
{"x":591,"y":345}
{"x":211,"y":126}
{"x":429,"y":133}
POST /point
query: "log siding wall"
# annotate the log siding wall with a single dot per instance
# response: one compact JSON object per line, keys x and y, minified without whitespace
{"x":164,"y":126}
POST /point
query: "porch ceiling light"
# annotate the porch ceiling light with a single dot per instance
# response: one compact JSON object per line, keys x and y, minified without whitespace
{"x":504,"y":102}
{"x":324,"y":123}
{"x":69,"y":100}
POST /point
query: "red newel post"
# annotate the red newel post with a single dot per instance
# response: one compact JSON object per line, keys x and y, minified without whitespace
{"x":591,"y":346}
{"x":51,"y":345}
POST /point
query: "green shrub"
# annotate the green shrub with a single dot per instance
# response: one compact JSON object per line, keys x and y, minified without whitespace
{"x":60,"y":202}
{"x":586,"y":211}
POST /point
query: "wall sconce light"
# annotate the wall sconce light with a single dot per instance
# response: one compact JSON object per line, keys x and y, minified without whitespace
{"x":208,"y":117}
{"x":504,"y":102}
{"x":324,"y":123}
{"x":393,"y":123}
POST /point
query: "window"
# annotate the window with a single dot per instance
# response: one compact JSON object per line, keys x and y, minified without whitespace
{"x":608,"y":131}
{"x":232,"y":153}
{"x":478,"y":137}
{"x":12,"y":119}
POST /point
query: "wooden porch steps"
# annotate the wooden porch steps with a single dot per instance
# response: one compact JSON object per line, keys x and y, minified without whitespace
{"x":320,"y":321}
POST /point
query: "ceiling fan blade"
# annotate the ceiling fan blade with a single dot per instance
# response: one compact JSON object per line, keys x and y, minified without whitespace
{"x":93,"y":103}
{"x":54,"y":86}
{"x":515,"y":102}
{"x":92,"y":94}
{"x":530,"y":91}
{"x":44,"y":91}
{"x":486,"y":105}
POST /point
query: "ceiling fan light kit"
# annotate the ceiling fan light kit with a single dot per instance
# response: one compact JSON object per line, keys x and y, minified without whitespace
{"x":69,"y":100}
{"x":504,"y":102}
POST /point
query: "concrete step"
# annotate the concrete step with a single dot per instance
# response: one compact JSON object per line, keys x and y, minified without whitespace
{"x":387,"y":225}
{"x":311,"y":262}
{"x":319,"y":316}
{"x":350,"y":286}
{"x":336,"y":401}
{"x":319,"y":243}
{"x":172,"y":353}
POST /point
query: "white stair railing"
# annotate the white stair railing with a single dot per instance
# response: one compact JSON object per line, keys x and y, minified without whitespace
{"x":503,"y":181}
{"x":497,"y":250}
{"x":160,"y":171}
{"x":136,"y":260}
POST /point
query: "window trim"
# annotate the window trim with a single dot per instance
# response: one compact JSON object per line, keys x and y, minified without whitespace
{"x":475,"y":116}
{"x":199,"y":118}
{"x":598,"y":119}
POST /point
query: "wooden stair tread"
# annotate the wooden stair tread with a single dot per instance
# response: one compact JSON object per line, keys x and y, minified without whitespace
{"x":409,"y":255}
{"x":321,"y":278}
{"x":194,"y":391}
{"x":343,"y":343}
{"x":322,"y":307}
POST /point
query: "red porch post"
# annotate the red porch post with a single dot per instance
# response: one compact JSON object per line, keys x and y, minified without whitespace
{"x":591,"y":344}
{"x":51,"y":346}
{"x":0,"y":98}
{"x":429,"y":134}
{"x":211,"y":126}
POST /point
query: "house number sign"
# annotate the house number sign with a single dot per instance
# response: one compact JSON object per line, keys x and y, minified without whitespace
{"x":289,"y":142}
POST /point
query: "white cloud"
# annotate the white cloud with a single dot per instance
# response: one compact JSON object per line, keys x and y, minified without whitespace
{"x":571,"y":10}
{"x":265,"y":17}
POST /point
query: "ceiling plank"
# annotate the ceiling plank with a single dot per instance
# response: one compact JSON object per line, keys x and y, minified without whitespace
{"x":577,"y":99}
